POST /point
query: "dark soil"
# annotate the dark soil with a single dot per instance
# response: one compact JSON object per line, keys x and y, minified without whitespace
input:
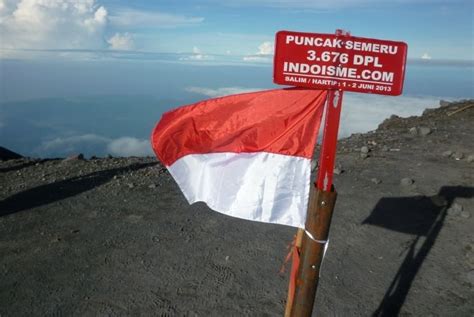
{"x":116,"y":237}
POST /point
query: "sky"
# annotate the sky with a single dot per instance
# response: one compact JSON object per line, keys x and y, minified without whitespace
{"x":94,"y":76}
{"x":433,"y":29}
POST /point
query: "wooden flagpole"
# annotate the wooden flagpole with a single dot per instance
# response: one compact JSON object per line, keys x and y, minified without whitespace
{"x":320,"y":208}
{"x":312,"y":241}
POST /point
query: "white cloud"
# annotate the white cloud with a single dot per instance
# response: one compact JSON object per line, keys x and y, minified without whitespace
{"x":425,"y":56}
{"x":43,"y":24}
{"x":224,"y":91}
{"x":196,"y":56}
{"x":95,"y":144}
{"x":128,"y":146}
{"x":131,"y":18}
{"x":264,"y":54}
{"x":99,"y":19}
{"x":257,"y":58}
{"x":121,"y":41}
{"x":70,"y":144}
{"x":266,"y":48}
{"x":48,"y":25}
{"x":364,"y":112}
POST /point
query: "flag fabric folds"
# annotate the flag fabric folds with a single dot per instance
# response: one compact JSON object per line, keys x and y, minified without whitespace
{"x":246,"y":155}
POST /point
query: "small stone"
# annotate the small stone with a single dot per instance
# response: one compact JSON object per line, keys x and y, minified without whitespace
{"x":428,"y":111}
{"x":151,"y":186}
{"x":444,"y":103}
{"x":376,"y":181}
{"x":413,"y":131}
{"x":115,"y":176}
{"x":439,"y":201}
{"x":338,"y":169}
{"x":458,"y":156}
{"x":447,"y":153}
{"x":424,"y":131}
{"x":130,"y":185}
{"x":364,"y":156}
{"x":364,"y":149}
{"x":76,"y":157}
{"x":470,"y":158}
{"x":455,"y":209}
{"x":406,"y":181}
{"x":191,"y":313}
{"x":470,"y":277}
{"x":385,"y":148}
{"x":465,"y":214}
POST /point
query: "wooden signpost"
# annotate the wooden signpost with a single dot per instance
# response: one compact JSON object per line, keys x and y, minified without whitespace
{"x":336,"y":62}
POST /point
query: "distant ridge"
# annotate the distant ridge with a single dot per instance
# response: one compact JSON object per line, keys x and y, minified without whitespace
{"x":6,"y":154}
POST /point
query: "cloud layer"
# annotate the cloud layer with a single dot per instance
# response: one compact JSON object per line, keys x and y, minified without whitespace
{"x":264,"y":54}
{"x":223,"y":91}
{"x":360,"y":113}
{"x":363,"y":112}
{"x":94,"y":144}
{"x":46,"y":24}
{"x":75,"y":25}
{"x":197,"y":55}
{"x":128,"y":146}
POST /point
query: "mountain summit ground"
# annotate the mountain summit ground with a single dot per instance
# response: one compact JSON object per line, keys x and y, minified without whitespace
{"x":115,"y":236}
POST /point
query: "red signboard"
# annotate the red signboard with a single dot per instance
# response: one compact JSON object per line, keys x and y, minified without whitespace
{"x":329,"y":61}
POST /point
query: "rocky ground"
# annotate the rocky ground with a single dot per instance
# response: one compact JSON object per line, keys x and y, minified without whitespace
{"x":116,"y":237}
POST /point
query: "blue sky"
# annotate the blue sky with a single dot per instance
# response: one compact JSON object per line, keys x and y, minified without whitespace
{"x":94,"y":76}
{"x":236,"y":28}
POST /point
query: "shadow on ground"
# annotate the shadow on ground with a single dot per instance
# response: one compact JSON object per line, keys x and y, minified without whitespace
{"x":422,"y":217}
{"x":49,"y":193}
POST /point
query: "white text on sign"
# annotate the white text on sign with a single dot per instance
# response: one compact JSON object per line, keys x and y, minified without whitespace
{"x":328,"y":61}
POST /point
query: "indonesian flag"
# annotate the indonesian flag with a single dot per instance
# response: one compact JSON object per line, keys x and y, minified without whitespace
{"x":246,"y":155}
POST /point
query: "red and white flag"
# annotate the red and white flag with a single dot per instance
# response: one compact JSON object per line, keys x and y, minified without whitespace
{"x":247,"y":155}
